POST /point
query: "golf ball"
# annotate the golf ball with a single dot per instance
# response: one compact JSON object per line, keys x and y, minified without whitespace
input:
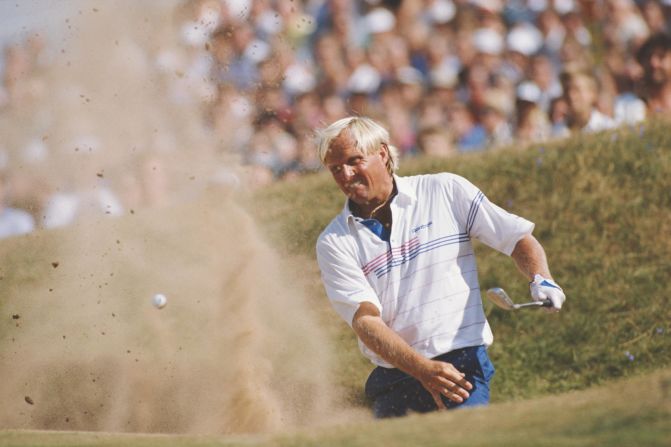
{"x":159,"y":301}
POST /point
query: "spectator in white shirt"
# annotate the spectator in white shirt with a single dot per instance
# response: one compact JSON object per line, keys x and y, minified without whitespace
{"x":581,"y":92}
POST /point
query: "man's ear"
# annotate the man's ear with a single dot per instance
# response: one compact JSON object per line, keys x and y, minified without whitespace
{"x":384,"y":152}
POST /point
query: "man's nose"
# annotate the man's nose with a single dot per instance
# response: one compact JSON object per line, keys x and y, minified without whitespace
{"x":347,"y":171}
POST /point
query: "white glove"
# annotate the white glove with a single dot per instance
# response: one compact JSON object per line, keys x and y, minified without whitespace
{"x":542,"y":288}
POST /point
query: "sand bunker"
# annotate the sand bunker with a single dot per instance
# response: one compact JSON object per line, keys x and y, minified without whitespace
{"x":236,"y":349}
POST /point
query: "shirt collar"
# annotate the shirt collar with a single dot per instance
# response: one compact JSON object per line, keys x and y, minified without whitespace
{"x":406,"y":193}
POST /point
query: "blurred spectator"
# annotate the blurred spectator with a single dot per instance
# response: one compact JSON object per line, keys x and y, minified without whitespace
{"x":13,"y":221}
{"x":625,"y":27}
{"x":581,"y":93}
{"x":558,"y":115}
{"x":655,"y":58}
{"x":230,"y":117}
{"x":87,"y":195}
{"x":431,"y":111}
{"x":272,"y":147}
{"x":553,"y":31}
{"x":469,"y":135}
{"x":544,"y":75}
{"x":242,"y":54}
{"x":653,"y":14}
{"x":334,"y":108}
{"x":495,"y":121}
{"x":397,"y":113}
{"x":307,"y":113}
{"x":436,"y":141}
{"x":411,"y":85}
{"x":628,"y":108}
{"x":21,"y":86}
{"x":576,"y":28}
{"x":532,"y":124}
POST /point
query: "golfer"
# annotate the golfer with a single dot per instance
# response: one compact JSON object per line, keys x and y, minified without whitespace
{"x":398,"y":266}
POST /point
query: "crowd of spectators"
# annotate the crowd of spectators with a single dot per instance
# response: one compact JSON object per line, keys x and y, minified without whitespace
{"x":445,"y":76}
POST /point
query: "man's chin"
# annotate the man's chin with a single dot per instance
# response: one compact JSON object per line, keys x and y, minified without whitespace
{"x":358,"y":196}
{"x":359,"y":199}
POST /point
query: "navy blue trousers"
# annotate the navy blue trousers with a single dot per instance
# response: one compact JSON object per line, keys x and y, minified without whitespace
{"x":395,"y":393}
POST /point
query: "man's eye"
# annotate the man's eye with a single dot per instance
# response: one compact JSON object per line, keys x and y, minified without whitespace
{"x":336,"y":169}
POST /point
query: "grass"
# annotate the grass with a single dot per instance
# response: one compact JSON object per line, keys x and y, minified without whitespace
{"x":633,"y":412}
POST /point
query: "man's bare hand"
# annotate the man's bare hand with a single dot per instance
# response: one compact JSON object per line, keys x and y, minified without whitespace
{"x":442,"y":378}
{"x":439,"y":378}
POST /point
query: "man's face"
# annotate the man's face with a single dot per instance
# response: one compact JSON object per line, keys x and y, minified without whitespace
{"x":659,"y":66}
{"x":581,"y":95}
{"x":363,"y":178}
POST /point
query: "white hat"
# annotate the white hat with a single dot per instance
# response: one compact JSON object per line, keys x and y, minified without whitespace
{"x":257,"y":51}
{"x":564,"y":6}
{"x":298,"y":79}
{"x":528,"y":91}
{"x":525,"y":38}
{"x":239,"y":9}
{"x":537,"y":5}
{"x":365,"y":79}
{"x":442,"y":11}
{"x":488,"y":5}
{"x":380,"y":20}
{"x":488,"y":41}
{"x":409,"y":75}
{"x":444,"y":76}
{"x":269,"y":22}
{"x":193,"y":34}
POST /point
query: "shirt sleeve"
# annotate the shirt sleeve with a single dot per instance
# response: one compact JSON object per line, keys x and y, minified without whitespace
{"x":487,"y":222}
{"x":344,"y":281}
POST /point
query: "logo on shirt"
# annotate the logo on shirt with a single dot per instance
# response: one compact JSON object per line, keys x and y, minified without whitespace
{"x":421,"y":227}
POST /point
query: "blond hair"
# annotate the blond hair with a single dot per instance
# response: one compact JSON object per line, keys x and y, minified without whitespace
{"x":367,"y":134}
{"x":572,"y":73}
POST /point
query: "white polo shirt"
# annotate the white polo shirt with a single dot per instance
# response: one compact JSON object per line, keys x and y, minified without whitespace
{"x":424,"y":280}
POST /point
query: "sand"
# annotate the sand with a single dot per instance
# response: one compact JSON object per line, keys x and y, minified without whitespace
{"x":237,"y":349}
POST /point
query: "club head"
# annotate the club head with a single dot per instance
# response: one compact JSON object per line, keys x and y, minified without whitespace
{"x":499,"y":297}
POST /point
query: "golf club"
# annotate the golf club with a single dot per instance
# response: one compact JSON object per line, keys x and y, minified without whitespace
{"x":499,"y":297}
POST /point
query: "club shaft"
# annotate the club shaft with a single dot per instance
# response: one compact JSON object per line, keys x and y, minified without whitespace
{"x":544,"y":303}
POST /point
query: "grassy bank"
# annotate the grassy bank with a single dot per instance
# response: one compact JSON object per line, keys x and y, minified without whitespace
{"x":632,"y":412}
{"x":602,"y":208}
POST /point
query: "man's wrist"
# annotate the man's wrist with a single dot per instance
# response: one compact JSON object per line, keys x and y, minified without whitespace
{"x":541,"y":277}
{"x":544,"y":281}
